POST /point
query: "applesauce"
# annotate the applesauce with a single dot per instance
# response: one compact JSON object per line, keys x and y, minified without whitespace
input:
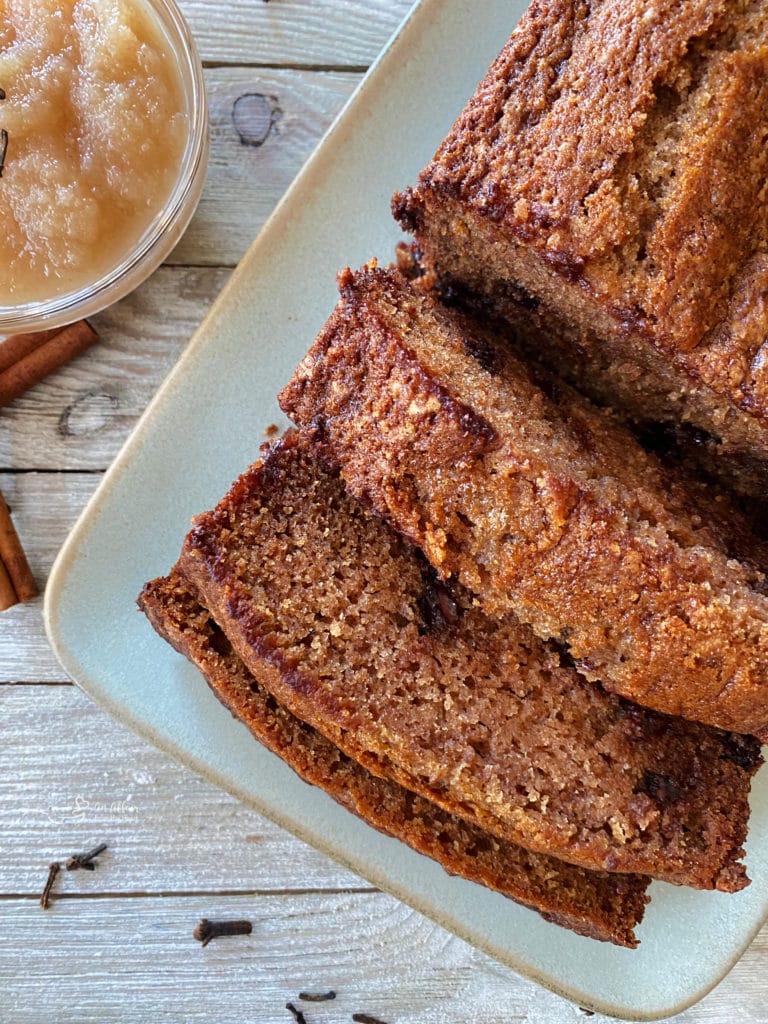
{"x":96,"y":124}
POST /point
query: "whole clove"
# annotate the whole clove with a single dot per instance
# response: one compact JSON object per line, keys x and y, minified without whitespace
{"x":365,"y":1018}
{"x":317,"y":997}
{"x":53,"y":870}
{"x":207,"y":930}
{"x":85,"y":860}
{"x":298,"y":1016}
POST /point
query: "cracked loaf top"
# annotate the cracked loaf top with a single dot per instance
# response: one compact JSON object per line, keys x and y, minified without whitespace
{"x":626,"y":144}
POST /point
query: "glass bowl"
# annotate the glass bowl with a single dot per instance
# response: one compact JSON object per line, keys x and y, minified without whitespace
{"x":169,"y":224}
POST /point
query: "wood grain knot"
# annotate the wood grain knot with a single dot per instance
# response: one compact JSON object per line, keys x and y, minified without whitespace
{"x":88,"y":414}
{"x":254,"y":115}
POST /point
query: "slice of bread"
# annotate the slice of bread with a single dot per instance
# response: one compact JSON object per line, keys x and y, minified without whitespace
{"x":536,"y":501}
{"x":598,"y":904}
{"x":346,"y":625}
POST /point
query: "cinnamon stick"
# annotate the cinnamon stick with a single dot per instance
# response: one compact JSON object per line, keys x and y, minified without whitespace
{"x":37,"y":364}
{"x":17,"y":346}
{"x":8,"y":596}
{"x":13,"y":558}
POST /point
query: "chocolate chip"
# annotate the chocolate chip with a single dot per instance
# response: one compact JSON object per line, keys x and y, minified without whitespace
{"x":438,"y":607}
{"x":565,"y":658}
{"x":743,"y":751}
{"x":660,"y":788}
{"x":218,"y":640}
{"x":484,"y":353}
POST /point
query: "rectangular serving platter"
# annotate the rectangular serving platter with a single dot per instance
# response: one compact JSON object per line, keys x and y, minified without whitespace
{"x":205,"y":426}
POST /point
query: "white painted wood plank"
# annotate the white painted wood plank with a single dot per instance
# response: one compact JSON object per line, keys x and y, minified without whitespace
{"x":79,"y":417}
{"x":378,"y":956}
{"x":25,"y":656}
{"x":93,"y":961}
{"x":264,"y":125}
{"x":71,"y":777}
{"x":311,"y":32}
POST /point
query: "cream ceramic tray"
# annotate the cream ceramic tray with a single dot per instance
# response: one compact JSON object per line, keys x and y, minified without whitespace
{"x":205,"y":426}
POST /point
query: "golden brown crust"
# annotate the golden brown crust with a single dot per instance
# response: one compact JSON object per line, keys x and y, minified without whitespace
{"x":343,"y":622}
{"x":560,"y":517}
{"x":597,"y":904}
{"x":613,"y":164}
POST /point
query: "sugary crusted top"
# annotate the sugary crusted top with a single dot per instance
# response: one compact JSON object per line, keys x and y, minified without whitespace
{"x":626,"y":143}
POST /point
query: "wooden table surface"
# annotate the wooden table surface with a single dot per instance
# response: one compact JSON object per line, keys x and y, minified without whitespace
{"x":117,"y":944}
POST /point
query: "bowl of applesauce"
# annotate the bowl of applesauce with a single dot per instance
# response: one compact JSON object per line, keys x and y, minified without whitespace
{"x":103,"y":151}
